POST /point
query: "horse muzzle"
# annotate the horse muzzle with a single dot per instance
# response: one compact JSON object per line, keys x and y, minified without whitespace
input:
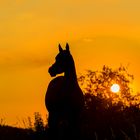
{"x":51,"y":72}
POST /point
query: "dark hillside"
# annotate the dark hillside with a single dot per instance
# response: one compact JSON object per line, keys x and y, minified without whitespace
{"x":13,"y":133}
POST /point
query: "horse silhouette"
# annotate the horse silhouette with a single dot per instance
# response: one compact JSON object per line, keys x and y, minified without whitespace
{"x":64,"y":98}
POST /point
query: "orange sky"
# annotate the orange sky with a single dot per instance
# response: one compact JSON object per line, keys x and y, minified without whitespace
{"x":99,"y":32}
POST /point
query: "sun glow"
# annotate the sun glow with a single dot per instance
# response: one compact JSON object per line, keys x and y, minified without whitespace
{"x":115,"y":88}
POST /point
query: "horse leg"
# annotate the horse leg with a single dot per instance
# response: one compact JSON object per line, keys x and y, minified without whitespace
{"x":53,"y":125}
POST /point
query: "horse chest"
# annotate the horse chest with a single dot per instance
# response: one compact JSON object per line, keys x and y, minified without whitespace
{"x":58,"y":92}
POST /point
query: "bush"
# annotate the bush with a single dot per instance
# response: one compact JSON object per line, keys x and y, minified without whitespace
{"x":107,"y":114}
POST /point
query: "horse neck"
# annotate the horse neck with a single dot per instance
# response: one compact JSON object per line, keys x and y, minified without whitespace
{"x":70,"y":74}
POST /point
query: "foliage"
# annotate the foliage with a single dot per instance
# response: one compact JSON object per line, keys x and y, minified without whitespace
{"x":108,"y":115}
{"x":98,"y":83}
{"x":38,"y":124}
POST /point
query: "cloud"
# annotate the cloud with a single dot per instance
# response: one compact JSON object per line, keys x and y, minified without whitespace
{"x":23,"y":62}
{"x":88,"y":40}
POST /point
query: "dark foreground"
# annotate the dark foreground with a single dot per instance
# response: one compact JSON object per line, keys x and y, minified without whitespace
{"x":110,"y":125}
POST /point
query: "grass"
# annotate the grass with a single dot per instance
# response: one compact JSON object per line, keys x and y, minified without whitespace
{"x":123,"y":125}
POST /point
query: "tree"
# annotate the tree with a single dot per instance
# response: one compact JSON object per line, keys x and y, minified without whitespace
{"x":107,"y":114}
{"x":38,"y":124}
{"x":98,"y":83}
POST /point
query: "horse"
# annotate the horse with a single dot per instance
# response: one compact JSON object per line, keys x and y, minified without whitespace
{"x":64,"y":98}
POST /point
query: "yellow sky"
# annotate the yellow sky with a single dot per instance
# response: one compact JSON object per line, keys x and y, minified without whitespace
{"x":99,"y":32}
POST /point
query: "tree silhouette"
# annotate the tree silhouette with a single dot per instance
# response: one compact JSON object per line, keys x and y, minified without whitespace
{"x":98,"y":83}
{"x":107,"y":114}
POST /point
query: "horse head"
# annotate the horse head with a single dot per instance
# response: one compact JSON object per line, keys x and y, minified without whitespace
{"x":62,"y":61}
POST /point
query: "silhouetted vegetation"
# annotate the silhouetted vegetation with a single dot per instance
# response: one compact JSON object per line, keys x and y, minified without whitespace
{"x":32,"y":131}
{"x":13,"y":133}
{"x":105,"y":116}
{"x":109,"y":115}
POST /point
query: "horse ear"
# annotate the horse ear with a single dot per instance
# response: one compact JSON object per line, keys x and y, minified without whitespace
{"x":60,"y":48}
{"x":67,"y":47}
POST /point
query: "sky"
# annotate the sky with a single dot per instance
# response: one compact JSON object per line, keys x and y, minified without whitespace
{"x":99,"y":32}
